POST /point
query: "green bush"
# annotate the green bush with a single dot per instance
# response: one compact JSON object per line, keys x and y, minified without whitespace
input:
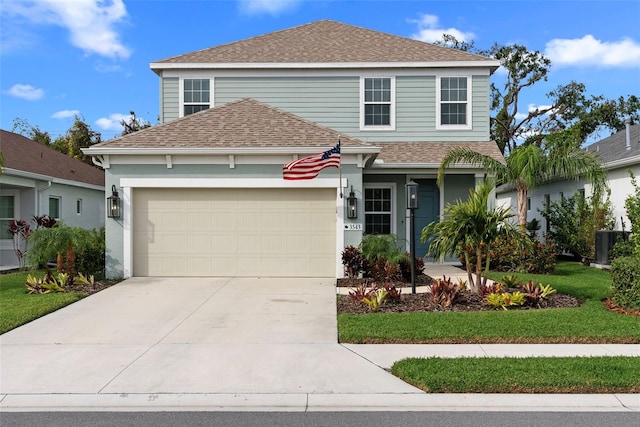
{"x":625,"y":276}
{"x":91,"y":260}
{"x":574,"y":222}
{"x":529,"y":255}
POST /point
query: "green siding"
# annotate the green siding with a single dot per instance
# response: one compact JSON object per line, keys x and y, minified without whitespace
{"x":170,"y":99}
{"x":334,"y":102}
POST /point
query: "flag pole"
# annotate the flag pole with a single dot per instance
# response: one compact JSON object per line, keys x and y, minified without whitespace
{"x":340,"y":167}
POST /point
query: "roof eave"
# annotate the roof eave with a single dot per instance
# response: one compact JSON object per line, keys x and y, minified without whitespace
{"x":159,"y":66}
{"x":46,"y":178}
{"x":97,"y":151}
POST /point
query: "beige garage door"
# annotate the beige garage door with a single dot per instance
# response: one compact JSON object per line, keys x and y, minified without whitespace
{"x":234,"y":232}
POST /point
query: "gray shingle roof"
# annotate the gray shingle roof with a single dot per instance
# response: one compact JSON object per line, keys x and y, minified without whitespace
{"x":26,"y":155}
{"x":614,"y":147}
{"x":431,"y":152}
{"x":246,"y":123}
{"x":324,"y":41}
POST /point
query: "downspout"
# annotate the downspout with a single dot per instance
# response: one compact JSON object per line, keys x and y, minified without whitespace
{"x":627,"y":123}
{"x":40,"y":190}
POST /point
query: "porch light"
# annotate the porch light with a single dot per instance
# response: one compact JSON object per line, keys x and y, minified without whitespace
{"x":352,"y":205}
{"x":412,"y":204}
{"x":412,"y":195}
{"x":113,"y":204}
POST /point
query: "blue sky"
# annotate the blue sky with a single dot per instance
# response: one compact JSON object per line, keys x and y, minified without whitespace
{"x":59,"y":58}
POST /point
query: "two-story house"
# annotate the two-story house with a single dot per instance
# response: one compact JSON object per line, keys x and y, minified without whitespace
{"x":203,"y":192}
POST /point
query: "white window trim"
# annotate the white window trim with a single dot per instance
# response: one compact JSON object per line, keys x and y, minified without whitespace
{"x":394,"y":207}
{"x":59,"y":198}
{"x":78,"y":205}
{"x":469,"y":124}
{"x":181,"y":90}
{"x":392,"y":112}
{"x":8,"y":243}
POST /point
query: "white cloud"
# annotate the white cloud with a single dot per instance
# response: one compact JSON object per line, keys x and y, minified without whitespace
{"x":106,"y":68}
{"x":64,"y":114}
{"x":269,"y":6}
{"x":27,"y":92}
{"x":112,"y":122}
{"x":429,"y":30}
{"x":90,"y":22}
{"x":589,"y":51}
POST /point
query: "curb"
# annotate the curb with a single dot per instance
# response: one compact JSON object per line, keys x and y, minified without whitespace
{"x":320,"y":402}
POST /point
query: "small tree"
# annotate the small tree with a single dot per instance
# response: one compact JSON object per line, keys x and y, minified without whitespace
{"x":19,"y":231}
{"x":574,"y":222}
{"x":470,"y":226}
{"x":61,"y":243}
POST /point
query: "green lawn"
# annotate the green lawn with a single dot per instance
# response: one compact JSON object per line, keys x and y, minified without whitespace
{"x":589,"y":323}
{"x":522,"y":375}
{"x":17,"y":307}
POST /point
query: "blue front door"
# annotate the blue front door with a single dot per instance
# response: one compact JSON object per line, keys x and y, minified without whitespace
{"x":427,"y":212}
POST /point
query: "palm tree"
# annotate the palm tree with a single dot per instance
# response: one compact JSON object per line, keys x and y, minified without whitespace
{"x":470,"y":227}
{"x":529,"y":165}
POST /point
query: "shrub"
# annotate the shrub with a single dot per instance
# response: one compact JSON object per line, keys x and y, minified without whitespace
{"x":529,"y":255}
{"x":353,"y":261}
{"x":375,"y":299}
{"x":444,"y":293}
{"x":537,"y":294}
{"x":621,"y":248}
{"x":90,"y":260}
{"x":383,"y":270}
{"x":393,"y":293}
{"x":405,"y":267}
{"x":574,"y":222}
{"x":625,"y":276}
{"x":381,"y":247}
{"x":505,"y":300}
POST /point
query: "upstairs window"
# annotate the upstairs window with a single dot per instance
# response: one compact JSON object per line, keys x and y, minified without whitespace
{"x":453,"y":103}
{"x":196,"y":95}
{"x":377,"y":106}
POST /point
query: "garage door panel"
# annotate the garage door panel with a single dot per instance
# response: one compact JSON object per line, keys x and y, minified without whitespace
{"x":234,"y":232}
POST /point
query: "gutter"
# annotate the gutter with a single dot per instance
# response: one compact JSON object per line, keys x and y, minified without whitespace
{"x":50,"y":179}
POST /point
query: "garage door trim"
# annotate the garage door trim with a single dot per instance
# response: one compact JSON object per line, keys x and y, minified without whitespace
{"x":127,"y":184}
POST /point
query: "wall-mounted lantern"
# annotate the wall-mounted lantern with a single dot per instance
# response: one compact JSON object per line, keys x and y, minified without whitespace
{"x":113,"y":204}
{"x":352,"y":205}
{"x":412,"y":204}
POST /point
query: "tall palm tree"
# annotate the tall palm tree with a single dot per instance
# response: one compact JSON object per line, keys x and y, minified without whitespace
{"x":530,"y":165}
{"x":470,"y":226}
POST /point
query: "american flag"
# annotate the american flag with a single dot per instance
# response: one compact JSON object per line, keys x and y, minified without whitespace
{"x":310,"y":167}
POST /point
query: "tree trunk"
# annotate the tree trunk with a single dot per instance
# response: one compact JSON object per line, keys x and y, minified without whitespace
{"x":522,"y":208}
{"x":478,"y":283}
{"x":469,"y":271}
{"x":71,"y":264}
{"x":60,"y":263}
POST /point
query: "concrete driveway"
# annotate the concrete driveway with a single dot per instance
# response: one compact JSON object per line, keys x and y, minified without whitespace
{"x":191,"y":335}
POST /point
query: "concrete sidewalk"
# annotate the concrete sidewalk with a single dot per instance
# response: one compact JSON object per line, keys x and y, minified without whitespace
{"x":364,"y":395}
{"x":216,"y":344}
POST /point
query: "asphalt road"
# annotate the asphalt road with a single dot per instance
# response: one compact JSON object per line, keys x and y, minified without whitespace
{"x":318,"y":419}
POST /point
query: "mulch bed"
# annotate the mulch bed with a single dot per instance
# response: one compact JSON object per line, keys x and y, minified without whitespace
{"x":88,"y":289}
{"x":421,"y":302}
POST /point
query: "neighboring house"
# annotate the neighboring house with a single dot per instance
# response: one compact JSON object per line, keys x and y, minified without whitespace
{"x":203,"y":192}
{"x":619,"y":154}
{"x":37,"y":180}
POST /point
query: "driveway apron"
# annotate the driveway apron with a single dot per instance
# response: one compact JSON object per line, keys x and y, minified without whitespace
{"x":192,"y":335}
